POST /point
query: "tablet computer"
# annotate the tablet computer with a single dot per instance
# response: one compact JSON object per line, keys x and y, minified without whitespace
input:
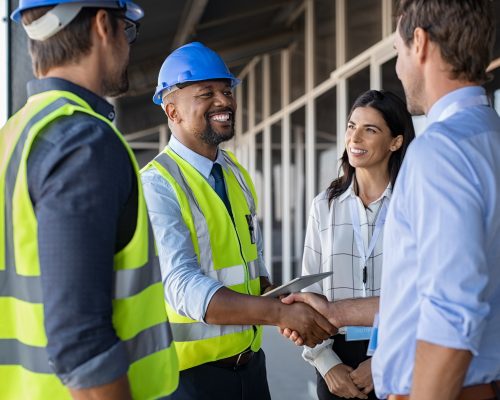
{"x":297,"y":284}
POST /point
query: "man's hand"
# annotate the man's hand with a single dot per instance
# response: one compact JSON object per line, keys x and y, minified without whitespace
{"x":265,"y":285}
{"x":339,"y":382}
{"x":312,"y":327}
{"x":316,"y":301}
{"x":362,"y":376}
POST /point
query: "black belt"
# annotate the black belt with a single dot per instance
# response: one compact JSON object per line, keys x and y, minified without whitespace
{"x":236,"y":361}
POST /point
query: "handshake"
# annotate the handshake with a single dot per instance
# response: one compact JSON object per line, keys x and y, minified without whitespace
{"x":310,"y":318}
{"x":307,"y":319}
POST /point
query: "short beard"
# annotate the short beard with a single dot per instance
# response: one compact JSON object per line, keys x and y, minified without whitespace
{"x":414,"y":109}
{"x":114,"y":86}
{"x":414,"y":100}
{"x":211,"y":137}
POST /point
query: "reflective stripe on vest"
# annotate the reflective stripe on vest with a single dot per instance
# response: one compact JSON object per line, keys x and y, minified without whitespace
{"x":237,"y":267}
{"x":24,"y":367}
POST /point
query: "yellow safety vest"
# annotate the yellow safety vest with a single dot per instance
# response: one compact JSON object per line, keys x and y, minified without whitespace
{"x":139,"y":316}
{"x":226,"y":252}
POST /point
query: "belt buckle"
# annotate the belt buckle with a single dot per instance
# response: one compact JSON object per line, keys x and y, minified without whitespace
{"x":239,"y":358}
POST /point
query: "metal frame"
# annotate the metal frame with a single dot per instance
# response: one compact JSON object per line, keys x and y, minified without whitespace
{"x":286,"y":221}
{"x":373,"y":58}
{"x":4,"y":65}
{"x":244,"y":143}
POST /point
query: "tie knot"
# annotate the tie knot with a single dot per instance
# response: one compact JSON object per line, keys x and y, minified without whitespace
{"x":217,"y":172}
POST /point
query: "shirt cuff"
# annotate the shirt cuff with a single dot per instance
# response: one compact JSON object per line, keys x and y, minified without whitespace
{"x":326,"y":360}
{"x":448,"y":326}
{"x":322,"y":357}
{"x":99,"y":370}
{"x":208,"y":298}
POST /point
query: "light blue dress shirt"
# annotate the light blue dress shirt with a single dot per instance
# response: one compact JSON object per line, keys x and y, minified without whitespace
{"x":441,"y":278}
{"x":187,"y":289}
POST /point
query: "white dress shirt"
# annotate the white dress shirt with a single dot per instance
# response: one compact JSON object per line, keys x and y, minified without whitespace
{"x":330,"y":246}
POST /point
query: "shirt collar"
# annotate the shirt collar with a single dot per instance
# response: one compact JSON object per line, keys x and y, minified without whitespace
{"x":97,"y":103}
{"x":350,"y":192}
{"x":439,"y":106}
{"x":202,"y":164}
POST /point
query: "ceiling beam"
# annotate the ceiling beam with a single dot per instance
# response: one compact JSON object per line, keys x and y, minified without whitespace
{"x":191,"y":16}
{"x":247,"y":14}
{"x":143,"y":76}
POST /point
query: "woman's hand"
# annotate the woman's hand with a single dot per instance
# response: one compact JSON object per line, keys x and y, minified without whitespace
{"x":339,"y":382}
{"x":362,"y":376}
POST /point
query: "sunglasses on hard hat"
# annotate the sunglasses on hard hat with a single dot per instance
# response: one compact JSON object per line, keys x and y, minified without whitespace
{"x":131,"y":27}
{"x":131,"y":30}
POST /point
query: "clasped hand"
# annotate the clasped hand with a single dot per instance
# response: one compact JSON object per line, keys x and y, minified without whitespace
{"x":307,"y":323}
{"x":317,"y":302}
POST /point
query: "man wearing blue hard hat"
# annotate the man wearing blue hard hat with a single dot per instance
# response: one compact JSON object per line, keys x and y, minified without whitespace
{"x":202,"y":206}
{"x":81,"y":300}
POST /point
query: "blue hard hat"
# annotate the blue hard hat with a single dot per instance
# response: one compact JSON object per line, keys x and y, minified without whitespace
{"x":132,"y":11}
{"x":192,"y":62}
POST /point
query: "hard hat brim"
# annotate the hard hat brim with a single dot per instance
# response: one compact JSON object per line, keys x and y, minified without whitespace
{"x":133,"y":11}
{"x":157,"y":98}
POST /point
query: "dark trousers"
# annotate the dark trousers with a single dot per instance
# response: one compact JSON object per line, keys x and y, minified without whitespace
{"x":352,"y":354}
{"x":213,"y":382}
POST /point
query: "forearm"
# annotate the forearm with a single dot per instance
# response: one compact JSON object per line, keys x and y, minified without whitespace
{"x":439,"y":372}
{"x":116,"y":390}
{"x":356,"y":312}
{"x":228,"y":307}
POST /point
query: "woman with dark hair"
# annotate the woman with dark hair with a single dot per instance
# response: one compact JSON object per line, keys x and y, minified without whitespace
{"x":344,"y":234}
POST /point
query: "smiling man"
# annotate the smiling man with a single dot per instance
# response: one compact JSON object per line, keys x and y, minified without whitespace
{"x":202,"y":205}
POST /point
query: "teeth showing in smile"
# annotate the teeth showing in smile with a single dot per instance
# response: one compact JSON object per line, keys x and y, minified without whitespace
{"x":221,"y":117}
{"x":358,"y":151}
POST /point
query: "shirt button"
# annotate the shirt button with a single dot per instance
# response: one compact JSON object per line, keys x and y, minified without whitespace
{"x":111,"y":115}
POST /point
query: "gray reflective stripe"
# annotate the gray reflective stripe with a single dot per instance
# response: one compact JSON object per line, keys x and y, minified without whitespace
{"x":253,"y":269}
{"x":149,"y":341}
{"x":199,"y":219}
{"x":129,"y":282}
{"x":25,"y":288}
{"x":229,"y":276}
{"x":32,"y":358}
{"x":35,"y":359}
{"x":242,"y":181}
{"x":198,"y":331}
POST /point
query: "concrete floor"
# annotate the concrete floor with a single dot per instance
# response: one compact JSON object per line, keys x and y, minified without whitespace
{"x":289,"y":376}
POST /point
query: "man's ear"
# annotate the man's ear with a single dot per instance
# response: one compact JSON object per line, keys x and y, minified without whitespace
{"x":420,"y":43}
{"x":171,"y":112}
{"x":396,"y":144}
{"x":102,"y":26}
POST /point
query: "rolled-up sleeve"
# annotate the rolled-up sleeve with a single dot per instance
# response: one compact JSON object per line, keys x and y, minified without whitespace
{"x":69,"y":173}
{"x":449,"y":222}
{"x":187,"y":289}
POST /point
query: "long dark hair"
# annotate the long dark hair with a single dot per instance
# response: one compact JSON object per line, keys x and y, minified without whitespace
{"x":397,"y":118}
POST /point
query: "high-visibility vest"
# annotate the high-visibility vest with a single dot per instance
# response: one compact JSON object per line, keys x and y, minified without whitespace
{"x":139,"y":317}
{"x":226,"y":251}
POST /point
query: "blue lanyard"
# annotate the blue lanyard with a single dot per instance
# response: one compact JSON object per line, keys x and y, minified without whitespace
{"x":458,"y":105}
{"x":379,"y":224}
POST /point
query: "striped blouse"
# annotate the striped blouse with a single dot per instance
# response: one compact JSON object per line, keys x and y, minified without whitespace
{"x":330,"y":246}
